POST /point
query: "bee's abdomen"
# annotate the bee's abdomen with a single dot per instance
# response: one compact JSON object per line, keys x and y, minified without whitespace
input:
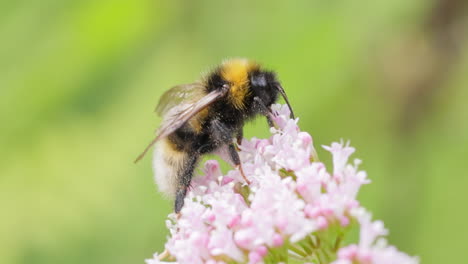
{"x":191,"y":142}
{"x":167,"y":164}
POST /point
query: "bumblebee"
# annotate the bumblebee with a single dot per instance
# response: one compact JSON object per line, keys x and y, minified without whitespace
{"x":206,"y":116}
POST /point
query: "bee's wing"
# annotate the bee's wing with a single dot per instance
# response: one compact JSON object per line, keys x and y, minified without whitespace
{"x":176,"y":116}
{"x":177,"y":95}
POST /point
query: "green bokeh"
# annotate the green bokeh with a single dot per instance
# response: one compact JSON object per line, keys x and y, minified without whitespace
{"x":79,"y":81}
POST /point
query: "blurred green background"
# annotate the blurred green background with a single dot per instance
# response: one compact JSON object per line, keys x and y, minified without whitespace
{"x":79,"y":81}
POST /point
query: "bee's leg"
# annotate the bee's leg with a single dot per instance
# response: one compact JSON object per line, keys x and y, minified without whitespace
{"x":266,"y":111}
{"x":239,"y":135}
{"x":221,"y":134}
{"x":269,"y":121}
{"x":184,"y":178}
{"x":236,"y":160}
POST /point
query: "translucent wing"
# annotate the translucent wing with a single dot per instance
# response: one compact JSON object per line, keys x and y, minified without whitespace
{"x":176,"y":116}
{"x":177,"y":95}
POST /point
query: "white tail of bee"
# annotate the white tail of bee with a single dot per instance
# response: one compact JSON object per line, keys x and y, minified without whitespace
{"x":166,"y":164}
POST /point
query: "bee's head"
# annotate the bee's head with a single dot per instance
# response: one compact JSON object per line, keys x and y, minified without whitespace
{"x":263,"y":85}
{"x":267,"y":88}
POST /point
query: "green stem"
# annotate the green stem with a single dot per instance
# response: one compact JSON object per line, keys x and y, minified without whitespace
{"x":338,"y":242}
{"x":298,"y":251}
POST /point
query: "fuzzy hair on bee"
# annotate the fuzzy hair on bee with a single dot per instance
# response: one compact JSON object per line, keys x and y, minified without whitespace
{"x":207,"y":116}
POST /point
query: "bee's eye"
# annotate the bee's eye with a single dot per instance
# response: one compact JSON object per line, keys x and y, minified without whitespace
{"x":258,"y":80}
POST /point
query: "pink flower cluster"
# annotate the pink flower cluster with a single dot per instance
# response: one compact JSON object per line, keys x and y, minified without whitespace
{"x":293,"y":209}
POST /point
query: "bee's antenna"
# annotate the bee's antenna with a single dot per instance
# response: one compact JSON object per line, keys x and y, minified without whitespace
{"x":283,"y":93}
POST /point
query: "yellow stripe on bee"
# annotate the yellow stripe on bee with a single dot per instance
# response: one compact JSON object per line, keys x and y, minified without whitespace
{"x":170,"y":149}
{"x":196,"y":122}
{"x":236,"y":72}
